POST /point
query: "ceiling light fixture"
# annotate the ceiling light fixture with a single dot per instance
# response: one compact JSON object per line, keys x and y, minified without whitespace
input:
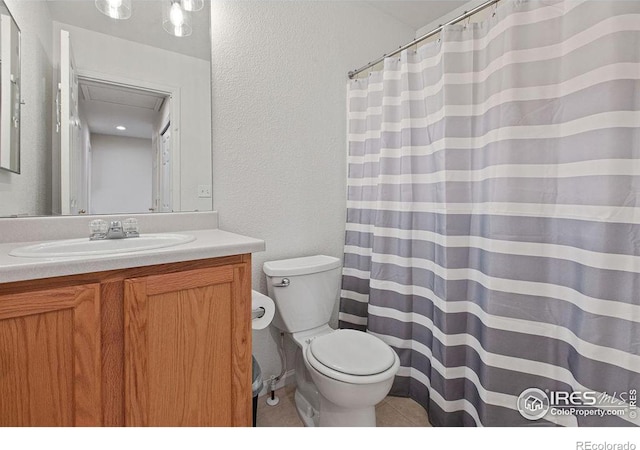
{"x":192,"y":5}
{"x":176,"y":14}
{"x":121,"y":128}
{"x":175,"y":20}
{"x":116,"y":9}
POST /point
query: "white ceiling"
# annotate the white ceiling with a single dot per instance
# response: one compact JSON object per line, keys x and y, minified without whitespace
{"x":144,"y":26}
{"x":418,"y":13}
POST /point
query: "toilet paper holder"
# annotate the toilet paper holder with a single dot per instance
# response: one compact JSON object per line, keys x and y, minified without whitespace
{"x":257,"y":313}
{"x":262,"y":310}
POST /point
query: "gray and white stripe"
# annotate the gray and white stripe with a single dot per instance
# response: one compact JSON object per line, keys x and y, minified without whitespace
{"x":493,"y":214}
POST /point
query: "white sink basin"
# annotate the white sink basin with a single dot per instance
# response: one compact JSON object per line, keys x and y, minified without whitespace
{"x":85,"y":247}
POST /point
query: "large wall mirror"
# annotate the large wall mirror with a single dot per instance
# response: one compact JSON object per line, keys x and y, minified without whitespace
{"x":9,"y":92}
{"x":117,"y":111}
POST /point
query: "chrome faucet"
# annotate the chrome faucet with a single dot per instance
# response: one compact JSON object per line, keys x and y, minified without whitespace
{"x":114,"y":230}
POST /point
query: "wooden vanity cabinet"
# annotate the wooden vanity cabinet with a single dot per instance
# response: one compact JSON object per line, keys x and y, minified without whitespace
{"x":165,"y":345}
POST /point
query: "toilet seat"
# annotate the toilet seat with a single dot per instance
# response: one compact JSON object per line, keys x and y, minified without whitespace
{"x":352,"y":357}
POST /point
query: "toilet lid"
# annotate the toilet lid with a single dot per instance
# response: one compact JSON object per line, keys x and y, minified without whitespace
{"x":352,"y":352}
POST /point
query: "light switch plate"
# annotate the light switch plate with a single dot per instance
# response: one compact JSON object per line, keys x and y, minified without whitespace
{"x":204,"y":191}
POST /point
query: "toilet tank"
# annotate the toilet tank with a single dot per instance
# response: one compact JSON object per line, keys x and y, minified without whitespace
{"x":307,"y":300}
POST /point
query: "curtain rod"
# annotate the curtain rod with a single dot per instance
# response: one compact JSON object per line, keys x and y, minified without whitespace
{"x":463,"y":16}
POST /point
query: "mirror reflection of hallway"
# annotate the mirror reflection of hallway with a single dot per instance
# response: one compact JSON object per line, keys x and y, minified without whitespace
{"x":122,"y":155}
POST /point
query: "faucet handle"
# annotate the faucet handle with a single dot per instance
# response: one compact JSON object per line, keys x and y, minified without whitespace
{"x":130,"y":227}
{"x":98,"y":228}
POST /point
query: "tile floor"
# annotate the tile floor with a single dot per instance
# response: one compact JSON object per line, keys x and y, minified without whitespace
{"x":391,"y":412}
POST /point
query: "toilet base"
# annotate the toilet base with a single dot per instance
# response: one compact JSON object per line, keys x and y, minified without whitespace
{"x":307,"y":398}
{"x":307,"y":413}
{"x":332,"y":415}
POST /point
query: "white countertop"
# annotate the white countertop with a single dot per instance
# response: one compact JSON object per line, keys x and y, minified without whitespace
{"x":210,"y":243}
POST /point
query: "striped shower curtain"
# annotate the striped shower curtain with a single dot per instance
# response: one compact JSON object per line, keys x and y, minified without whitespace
{"x":493,"y":225}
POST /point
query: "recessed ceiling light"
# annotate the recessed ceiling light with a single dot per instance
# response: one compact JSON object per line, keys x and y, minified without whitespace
{"x":121,"y":128}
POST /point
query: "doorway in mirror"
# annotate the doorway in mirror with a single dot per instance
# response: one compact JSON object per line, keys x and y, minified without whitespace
{"x":129,"y":148}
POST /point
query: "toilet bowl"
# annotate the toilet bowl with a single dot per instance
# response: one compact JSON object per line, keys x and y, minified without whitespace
{"x":353,"y":372}
{"x":340,"y":374}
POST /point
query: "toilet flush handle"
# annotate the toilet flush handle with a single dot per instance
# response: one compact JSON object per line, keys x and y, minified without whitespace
{"x":284,"y":283}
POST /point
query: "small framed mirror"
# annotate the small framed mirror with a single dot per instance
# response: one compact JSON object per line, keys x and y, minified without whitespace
{"x":9,"y":92}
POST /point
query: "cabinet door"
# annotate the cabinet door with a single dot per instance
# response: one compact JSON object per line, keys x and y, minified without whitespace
{"x":50,"y":357}
{"x":188,"y":348}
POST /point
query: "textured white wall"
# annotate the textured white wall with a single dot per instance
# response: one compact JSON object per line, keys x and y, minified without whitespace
{"x":29,"y":192}
{"x":279,"y":124}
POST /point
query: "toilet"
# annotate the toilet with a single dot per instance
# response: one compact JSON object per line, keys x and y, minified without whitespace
{"x":340,"y":374}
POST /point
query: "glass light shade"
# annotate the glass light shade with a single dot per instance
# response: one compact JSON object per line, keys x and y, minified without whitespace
{"x":192,"y":5}
{"x":116,"y":9}
{"x":175,"y":20}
